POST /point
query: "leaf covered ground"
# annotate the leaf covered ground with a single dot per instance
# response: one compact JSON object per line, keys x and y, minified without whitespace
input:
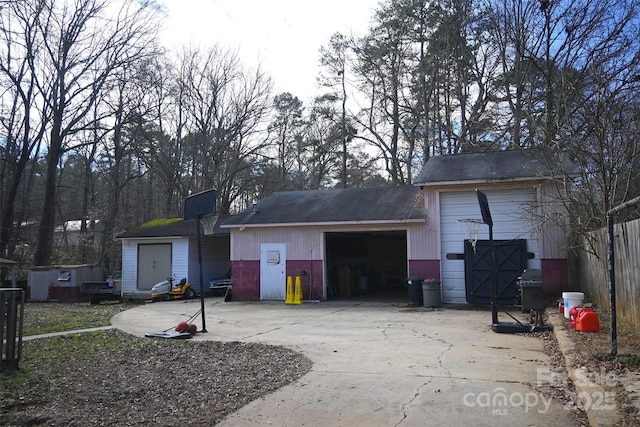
{"x":111,"y":378}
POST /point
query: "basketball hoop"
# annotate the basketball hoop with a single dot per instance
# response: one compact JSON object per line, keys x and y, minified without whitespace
{"x":208,"y":225}
{"x":473,"y":229}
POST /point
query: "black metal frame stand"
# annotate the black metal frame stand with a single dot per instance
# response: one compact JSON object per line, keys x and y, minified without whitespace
{"x":496,"y":325}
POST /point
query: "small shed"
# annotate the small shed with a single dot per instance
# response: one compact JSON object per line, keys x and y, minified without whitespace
{"x":166,"y":248}
{"x":60,"y":282}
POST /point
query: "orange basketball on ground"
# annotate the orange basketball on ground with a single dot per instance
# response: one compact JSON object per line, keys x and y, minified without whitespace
{"x":182,"y":326}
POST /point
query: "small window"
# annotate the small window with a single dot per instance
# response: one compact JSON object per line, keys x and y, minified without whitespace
{"x":273,"y":257}
{"x":65,"y":276}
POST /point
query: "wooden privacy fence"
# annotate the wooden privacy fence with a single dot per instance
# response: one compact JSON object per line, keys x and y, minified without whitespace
{"x":594,"y":274}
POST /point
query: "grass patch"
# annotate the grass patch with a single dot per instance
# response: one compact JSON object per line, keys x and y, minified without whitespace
{"x":42,"y":318}
{"x":31,"y":382}
{"x":160,"y":222}
{"x":628,"y":360}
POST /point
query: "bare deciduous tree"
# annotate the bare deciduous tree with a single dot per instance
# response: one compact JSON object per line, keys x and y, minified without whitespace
{"x":286,"y":132}
{"x":223,"y":114}
{"x":83,"y":43}
{"x":23,"y":125}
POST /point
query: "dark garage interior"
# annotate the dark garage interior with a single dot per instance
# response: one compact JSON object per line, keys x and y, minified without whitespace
{"x":368,"y":265}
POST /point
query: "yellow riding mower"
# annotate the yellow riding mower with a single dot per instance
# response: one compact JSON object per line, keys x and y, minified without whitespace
{"x":165,"y":291}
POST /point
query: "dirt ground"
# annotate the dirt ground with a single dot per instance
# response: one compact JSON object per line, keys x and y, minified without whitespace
{"x":618,"y":375}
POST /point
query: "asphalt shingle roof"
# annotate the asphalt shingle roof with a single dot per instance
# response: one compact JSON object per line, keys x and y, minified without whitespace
{"x":489,"y":166}
{"x":369,"y":204}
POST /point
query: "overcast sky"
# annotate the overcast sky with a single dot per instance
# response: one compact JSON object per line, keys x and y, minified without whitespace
{"x":283,"y":35}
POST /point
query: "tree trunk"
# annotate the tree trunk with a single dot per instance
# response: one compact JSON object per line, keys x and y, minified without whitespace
{"x":47,"y":223}
{"x":8,"y":212}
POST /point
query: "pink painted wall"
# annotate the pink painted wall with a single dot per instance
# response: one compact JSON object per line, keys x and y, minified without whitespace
{"x":555,"y":276}
{"x":312,"y":279}
{"x":246,"y":277}
{"x":64,"y":293}
{"x":428,"y":269}
{"x":246,"y":281}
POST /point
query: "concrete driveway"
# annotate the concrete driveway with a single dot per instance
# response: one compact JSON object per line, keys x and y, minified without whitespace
{"x":377,"y":364}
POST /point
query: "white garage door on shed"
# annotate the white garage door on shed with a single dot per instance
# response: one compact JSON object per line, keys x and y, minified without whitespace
{"x":511,"y":220}
{"x":154,"y":264}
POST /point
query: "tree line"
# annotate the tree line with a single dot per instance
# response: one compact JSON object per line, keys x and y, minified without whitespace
{"x":101,"y":125}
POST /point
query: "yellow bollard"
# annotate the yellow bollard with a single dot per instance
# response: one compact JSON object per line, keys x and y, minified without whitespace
{"x":297,"y":298}
{"x":290,"y":296}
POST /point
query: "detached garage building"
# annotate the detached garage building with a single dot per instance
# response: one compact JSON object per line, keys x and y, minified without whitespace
{"x":529,"y":222}
{"x":347,"y":242}
{"x":342,"y":243}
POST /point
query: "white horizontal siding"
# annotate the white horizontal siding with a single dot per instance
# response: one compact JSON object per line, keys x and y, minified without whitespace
{"x":511,"y":220}
{"x":179,"y":261}
{"x":129,"y":267}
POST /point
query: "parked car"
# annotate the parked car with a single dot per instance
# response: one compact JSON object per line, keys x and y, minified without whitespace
{"x":221,"y":285}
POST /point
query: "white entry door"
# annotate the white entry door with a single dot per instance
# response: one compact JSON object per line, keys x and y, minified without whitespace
{"x":273,"y":282}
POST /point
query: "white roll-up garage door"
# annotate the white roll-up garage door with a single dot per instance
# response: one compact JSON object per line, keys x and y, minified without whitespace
{"x":512,"y":219}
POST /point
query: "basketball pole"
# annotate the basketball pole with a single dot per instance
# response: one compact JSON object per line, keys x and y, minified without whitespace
{"x":196,"y":207}
{"x":494,"y":285}
{"x":198,"y":217}
{"x":486,"y":218}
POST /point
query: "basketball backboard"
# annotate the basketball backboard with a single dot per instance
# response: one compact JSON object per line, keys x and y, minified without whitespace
{"x":484,"y":208}
{"x":200,"y":205}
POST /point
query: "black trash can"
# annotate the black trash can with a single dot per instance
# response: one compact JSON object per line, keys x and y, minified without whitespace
{"x":431,"y":293}
{"x":415,"y":290}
